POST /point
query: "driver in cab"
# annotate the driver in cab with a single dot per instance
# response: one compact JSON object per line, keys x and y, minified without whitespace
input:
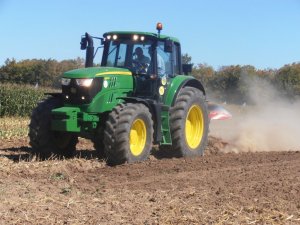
{"x":140,"y":57}
{"x":140,"y":62}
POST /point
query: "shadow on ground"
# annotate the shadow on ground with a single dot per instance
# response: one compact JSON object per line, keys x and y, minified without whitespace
{"x":17,"y":154}
{"x":24,"y":153}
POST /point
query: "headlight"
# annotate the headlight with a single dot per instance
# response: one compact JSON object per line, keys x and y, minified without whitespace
{"x":161,"y":90}
{"x":65,"y":81}
{"x":135,"y":37}
{"x":84,"y":82}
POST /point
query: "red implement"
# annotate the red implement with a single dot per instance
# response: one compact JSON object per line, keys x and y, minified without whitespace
{"x":217,"y":112}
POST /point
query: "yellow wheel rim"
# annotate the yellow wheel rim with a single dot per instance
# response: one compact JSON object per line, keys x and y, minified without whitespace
{"x":194,"y":126}
{"x":137,"y":137}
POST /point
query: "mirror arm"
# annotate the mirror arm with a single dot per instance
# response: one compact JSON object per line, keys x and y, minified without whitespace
{"x":97,"y":51}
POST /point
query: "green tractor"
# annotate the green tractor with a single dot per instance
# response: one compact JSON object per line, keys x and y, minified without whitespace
{"x":140,"y":96}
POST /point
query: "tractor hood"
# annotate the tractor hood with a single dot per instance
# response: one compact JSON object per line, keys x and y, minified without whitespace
{"x":92,"y":72}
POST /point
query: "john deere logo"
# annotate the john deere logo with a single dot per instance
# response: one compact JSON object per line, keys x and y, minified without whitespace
{"x":73,"y":90}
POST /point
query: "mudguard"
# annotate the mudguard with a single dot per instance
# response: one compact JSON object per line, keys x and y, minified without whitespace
{"x":179,"y":82}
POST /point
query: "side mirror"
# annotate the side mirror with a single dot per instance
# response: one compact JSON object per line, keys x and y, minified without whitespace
{"x":168,"y":47}
{"x":83,"y":43}
{"x":187,"y":68}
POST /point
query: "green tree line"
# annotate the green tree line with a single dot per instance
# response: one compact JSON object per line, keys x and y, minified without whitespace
{"x":234,"y":83}
{"x":227,"y":83}
{"x":43,"y":72}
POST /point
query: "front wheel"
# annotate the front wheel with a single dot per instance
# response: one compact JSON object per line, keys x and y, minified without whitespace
{"x":45,"y":141}
{"x":128,"y":134}
{"x":189,"y":123}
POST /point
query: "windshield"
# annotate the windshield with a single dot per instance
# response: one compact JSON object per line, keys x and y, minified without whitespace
{"x":130,"y":54}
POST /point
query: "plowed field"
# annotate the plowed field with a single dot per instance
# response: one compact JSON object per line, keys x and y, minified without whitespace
{"x":219,"y":188}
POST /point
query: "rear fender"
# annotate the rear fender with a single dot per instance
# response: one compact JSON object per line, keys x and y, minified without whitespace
{"x":177,"y":84}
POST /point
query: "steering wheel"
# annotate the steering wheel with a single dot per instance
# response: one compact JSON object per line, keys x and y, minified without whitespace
{"x":139,"y":68}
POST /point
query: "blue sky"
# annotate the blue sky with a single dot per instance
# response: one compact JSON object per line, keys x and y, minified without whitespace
{"x":262,"y":33}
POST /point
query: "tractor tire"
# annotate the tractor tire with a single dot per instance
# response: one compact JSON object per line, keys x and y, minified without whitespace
{"x":98,"y":142}
{"x":128,"y":134}
{"x":43,"y":140}
{"x":189,"y":123}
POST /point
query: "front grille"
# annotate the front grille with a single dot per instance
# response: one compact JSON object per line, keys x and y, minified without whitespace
{"x":74,"y":94}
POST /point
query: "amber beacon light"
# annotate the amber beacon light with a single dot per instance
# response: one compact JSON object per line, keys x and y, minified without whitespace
{"x":159,"y":27}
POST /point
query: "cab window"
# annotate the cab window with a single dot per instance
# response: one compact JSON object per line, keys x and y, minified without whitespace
{"x":164,"y":65}
{"x":116,"y":55}
{"x":126,"y":53}
{"x":176,"y":59}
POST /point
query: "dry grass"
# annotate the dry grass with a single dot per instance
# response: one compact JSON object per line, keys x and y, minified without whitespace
{"x":13,"y":127}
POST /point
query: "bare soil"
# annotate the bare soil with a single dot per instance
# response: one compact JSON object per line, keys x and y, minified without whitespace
{"x":218,"y":188}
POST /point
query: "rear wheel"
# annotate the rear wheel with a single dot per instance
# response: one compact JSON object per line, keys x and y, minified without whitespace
{"x":189,"y":123}
{"x":43,"y":140}
{"x":128,"y":134}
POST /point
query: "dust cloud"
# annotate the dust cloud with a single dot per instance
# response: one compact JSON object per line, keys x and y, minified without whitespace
{"x":271,"y":123}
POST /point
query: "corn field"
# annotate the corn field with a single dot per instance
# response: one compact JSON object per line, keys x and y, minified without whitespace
{"x":16,"y":105}
{"x":19,"y":100}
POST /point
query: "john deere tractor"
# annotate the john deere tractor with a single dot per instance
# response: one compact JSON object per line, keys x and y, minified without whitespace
{"x":130,"y":103}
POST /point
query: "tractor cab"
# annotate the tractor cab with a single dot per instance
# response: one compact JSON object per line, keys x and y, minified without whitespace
{"x":152,"y":58}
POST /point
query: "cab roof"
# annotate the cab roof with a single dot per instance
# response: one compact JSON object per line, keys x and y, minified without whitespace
{"x":149,"y":34}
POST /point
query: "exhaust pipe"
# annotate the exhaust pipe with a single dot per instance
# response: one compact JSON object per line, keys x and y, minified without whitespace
{"x":88,"y":44}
